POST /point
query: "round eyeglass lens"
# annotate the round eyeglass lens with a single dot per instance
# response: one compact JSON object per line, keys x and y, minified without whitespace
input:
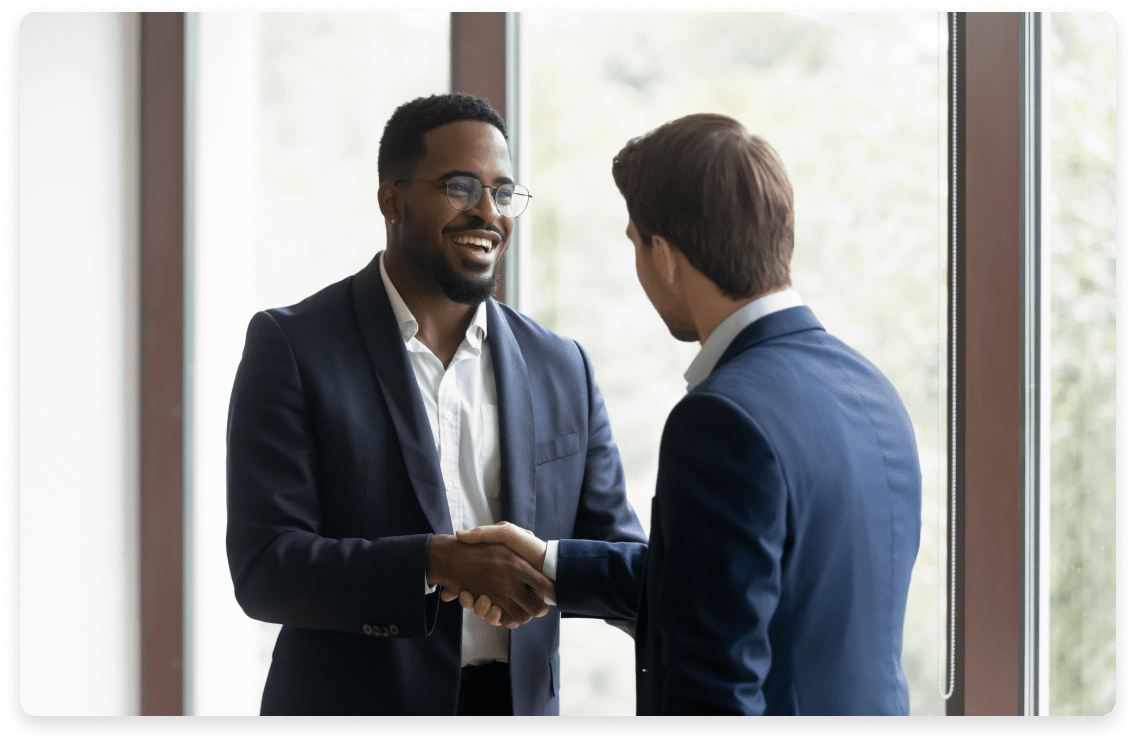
{"x":512,"y":199}
{"x":464,"y":193}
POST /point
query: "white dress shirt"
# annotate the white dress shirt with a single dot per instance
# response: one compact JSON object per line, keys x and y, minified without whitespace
{"x":722,"y":336}
{"x":461,"y":405}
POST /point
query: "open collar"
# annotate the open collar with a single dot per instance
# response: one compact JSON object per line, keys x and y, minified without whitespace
{"x":407,"y":324}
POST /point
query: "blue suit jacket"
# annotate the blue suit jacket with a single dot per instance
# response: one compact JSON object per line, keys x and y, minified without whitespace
{"x":334,"y":488}
{"x":783,"y":533}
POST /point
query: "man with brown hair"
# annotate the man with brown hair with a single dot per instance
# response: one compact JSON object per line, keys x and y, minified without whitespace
{"x":787,"y":508}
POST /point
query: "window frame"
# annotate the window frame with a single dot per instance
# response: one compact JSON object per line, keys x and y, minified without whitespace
{"x":992,"y":677}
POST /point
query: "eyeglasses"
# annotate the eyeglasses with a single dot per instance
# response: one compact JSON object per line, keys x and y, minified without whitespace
{"x":464,"y":192}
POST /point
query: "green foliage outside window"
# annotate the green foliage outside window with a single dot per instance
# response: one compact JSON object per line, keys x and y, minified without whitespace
{"x":1083,"y":366}
{"x":855,"y":105}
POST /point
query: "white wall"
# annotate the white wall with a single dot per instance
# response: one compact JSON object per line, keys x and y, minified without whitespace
{"x":77,"y":81}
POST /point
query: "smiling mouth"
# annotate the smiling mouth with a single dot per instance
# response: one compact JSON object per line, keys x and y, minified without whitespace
{"x":483,"y":243}
{"x":479,"y":253}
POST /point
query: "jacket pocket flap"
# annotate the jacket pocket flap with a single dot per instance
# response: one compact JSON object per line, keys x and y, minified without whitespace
{"x":562,"y":446}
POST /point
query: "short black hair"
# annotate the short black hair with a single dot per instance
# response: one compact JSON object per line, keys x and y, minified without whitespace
{"x":718,"y":194}
{"x":403,"y":142}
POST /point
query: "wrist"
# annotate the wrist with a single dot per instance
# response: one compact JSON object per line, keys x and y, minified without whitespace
{"x":533,"y":550}
{"x":437,"y":554}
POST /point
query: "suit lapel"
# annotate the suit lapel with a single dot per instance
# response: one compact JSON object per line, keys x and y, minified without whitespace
{"x":517,"y":431}
{"x":780,"y":323}
{"x":391,"y":363}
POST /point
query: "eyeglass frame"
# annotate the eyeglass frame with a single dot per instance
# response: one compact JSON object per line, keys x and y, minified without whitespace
{"x":493,"y":192}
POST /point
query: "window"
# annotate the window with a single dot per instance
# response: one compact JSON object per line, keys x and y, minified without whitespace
{"x":1082,"y":366}
{"x":854,"y":105}
{"x":290,"y":107}
{"x":288,"y":113}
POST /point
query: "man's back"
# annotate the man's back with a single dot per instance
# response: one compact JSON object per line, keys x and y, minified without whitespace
{"x":788,"y":503}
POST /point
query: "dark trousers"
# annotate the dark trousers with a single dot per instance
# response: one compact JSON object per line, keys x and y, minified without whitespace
{"x":484,"y":690}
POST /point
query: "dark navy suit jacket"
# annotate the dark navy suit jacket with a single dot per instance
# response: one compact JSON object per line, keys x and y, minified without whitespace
{"x":783,"y":533}
{"x":334,"y":488}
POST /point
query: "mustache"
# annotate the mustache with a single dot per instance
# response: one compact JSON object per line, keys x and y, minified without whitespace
{"x":475,"y":224}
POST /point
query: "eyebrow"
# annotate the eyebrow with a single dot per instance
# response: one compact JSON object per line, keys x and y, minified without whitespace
{"x":450,"y":174}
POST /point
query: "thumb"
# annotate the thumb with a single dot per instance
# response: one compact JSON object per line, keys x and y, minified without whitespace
{"x":469,"y":536}
{"x":493,"y":533}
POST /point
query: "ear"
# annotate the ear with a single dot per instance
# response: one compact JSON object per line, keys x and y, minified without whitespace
{"x":390,"y":201}
{"x":664,"y":256}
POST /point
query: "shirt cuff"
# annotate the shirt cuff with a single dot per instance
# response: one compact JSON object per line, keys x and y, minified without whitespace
{"x":551,"y":555}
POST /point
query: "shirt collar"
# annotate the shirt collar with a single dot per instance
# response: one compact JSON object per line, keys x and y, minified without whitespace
{"x":408,"y":326}
{"x":729,"y":329}
{"x":478,"y":328}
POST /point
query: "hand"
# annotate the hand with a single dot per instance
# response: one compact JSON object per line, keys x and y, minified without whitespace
{"x":522,"y":542}
{"x":482,"y":606}
{"x":491,"y":570}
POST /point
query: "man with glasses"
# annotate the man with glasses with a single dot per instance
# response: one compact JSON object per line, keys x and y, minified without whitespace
{"x":373,"y":419}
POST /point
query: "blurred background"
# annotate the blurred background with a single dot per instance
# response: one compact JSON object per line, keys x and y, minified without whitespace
{"x":284,"y":115}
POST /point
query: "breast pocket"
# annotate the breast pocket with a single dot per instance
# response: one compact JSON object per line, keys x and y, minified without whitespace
{"x":555,"y":449}
{"x":489,"y":457}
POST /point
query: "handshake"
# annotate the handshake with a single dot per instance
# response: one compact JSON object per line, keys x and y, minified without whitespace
{"x":495,"y":570}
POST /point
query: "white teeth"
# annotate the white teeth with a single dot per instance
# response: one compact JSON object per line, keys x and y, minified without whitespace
{"x":480,"y":242}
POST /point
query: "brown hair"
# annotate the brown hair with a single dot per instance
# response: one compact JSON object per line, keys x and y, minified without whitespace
{"x":717,"y":193}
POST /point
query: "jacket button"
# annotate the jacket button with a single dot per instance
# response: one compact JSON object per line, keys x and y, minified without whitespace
{"x":367,"y":629}
{"x":394,"y":630}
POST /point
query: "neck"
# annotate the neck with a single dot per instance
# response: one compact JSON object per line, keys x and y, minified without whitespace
{"x":442,"y":323}
{"x":709,"y":306}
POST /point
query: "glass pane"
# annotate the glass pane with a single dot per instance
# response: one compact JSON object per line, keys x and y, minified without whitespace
{"x":855,"y":106}
{"x":289,"y":109}
{"x":1082,"y":347}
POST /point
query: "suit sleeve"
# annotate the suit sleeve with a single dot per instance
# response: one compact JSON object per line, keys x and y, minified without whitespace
{"x":600,"y":567}
{"x":283,"y":570}
{"x":722,"y":505}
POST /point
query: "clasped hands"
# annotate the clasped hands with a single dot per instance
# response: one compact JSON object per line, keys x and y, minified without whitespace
{"x":495,"y":570}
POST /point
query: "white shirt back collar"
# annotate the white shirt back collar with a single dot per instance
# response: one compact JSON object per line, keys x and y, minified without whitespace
{"x":728,"y":330}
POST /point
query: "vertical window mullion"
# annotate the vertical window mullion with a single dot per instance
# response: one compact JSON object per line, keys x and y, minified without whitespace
{"x":483,"y":56}
{"x":516,"y":117}
{"x":162,"y":202}
{"x":989,"y":602}
{"x":1031,"y":362}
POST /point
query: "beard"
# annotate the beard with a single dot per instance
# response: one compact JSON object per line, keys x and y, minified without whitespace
{"x":456,"y":287}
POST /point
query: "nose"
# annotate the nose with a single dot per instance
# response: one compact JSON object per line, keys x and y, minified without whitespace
{"x":486,"y":206}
